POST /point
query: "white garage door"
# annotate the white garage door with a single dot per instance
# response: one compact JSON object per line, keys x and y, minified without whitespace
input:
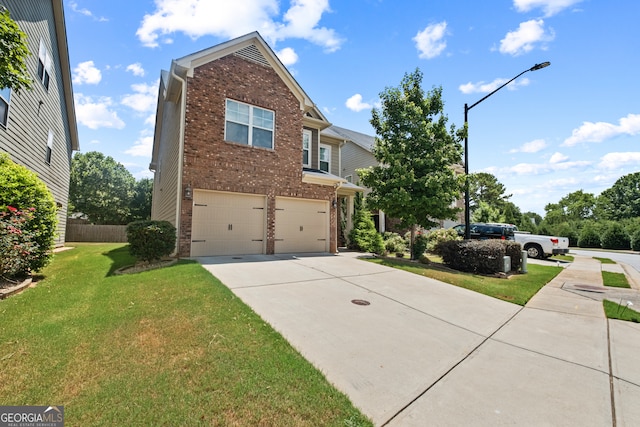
{"x":227,"y":224}
{"x":302,"y":225}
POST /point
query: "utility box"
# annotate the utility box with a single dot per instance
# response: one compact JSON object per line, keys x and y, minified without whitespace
{"x":506,"y":264}
{"x":524,"y":261}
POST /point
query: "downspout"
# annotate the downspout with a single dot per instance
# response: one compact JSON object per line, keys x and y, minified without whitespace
{"x":183,"y":112}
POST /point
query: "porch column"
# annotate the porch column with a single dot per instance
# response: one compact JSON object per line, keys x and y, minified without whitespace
{"x":381,"y":222}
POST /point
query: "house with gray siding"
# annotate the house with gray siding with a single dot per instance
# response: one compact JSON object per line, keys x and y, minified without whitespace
{"x":38,"y":127}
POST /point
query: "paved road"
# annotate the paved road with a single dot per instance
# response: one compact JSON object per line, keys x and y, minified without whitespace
{"x":632,"y":259}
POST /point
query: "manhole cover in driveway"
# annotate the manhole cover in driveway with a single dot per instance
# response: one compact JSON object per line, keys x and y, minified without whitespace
{"x":360,"y":302}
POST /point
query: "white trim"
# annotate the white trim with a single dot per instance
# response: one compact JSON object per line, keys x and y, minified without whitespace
{"x":250,"y":123}
{"x":328,"y":148}
{"x":306,"y":132}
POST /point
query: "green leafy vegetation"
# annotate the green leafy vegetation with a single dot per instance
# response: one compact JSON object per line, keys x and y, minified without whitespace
{"x":151,"y":240}
{"x":170,"y":347}
{"x":604,"y":260}
{"x":620,"y":311}
{"x":517,"y":289}
{"x":13,"y":54}
{"x":617,"y":280}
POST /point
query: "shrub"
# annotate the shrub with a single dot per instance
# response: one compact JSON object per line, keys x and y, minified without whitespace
{"x":566,"y":230}
{"x":364,"y":235}
{"x":475,"y":256}
{"x":394,"y":243}
{"x":589,"y":238}
{"x":440,"y":235}
{"x":151,"y":240}
{"x":635,"y":241}
{"x":419,"y":246}
{"x":21,"y":189}
{"x":513,"y":250}
{"x":615,"y":237}
{"x":17,"y":244}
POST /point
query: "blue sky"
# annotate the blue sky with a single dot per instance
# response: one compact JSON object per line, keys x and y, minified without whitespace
{"x":572,"y":126}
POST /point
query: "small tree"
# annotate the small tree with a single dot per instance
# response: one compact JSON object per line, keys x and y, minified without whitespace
{"x":415,"y":180}
{"x":22,"y":191}
{"x":364,"y":235}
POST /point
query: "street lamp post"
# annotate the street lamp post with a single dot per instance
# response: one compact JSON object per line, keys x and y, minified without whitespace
{"x":467,"y":225}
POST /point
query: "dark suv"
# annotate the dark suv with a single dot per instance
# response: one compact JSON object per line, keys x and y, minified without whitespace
{"x":484,"y":231}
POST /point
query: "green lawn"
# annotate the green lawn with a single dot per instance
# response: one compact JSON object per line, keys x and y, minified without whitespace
{"x":169,"y":347}
{"x":517,"y":289}
{"x":617,"y":280}
{"x":622,"y":312}
{"x":604,"y":260}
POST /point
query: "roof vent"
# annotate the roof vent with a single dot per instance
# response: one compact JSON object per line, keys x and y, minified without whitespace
{"x":252,"y":53}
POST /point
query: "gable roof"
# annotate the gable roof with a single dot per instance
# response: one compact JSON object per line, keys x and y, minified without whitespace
{"x":253,"y":48}
{"x":365,"y":141}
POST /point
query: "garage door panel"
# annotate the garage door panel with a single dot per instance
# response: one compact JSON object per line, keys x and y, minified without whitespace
{"x":302,"y":225}
{"x":227,"y":224}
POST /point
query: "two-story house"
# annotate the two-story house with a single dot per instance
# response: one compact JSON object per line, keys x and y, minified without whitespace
{"x":239,"y":163}
{"x":38,"y":127}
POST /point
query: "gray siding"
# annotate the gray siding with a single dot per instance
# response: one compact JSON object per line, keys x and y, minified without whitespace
{"x":165,"y":185}
{"x":33,"y":113}
{"x":355,"y":157}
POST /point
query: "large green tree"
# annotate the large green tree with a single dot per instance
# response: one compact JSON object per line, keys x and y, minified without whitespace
{"x":622,"y":200}
{"x":101,"y":188}
{"x":485,"y":187}
{"x":13,"y":54}
{"x":140,"y":206}
{"x":415,"y":179}
{"x":574,"y":206}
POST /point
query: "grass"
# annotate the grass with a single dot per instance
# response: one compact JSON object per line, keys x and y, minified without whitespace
{"x":565,"y":258}
{"x":604,"y":260}
{"x":517,"y":289}
{"x":621,"y":312}
{"x":165,"y":347}
{"x":617,"y":280}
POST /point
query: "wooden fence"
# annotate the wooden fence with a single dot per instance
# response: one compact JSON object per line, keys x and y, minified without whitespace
{"x":96,"y":233}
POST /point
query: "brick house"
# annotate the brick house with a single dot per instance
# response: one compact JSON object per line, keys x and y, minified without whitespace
{"x":240,"y":166}
{"x":38,"y":127}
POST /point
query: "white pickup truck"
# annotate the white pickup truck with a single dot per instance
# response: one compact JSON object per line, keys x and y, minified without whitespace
{"x":541,"y":246}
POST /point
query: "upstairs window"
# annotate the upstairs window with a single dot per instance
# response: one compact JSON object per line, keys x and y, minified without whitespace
{"x":306,"y":148}
{"x":49,"y":148}
{"x":325,"y":158}
{"x":5,"y":100}
{"x":44,"y":65}
{"x":249,"y":125}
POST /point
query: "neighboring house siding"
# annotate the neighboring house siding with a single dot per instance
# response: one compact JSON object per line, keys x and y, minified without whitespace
{"x":355,"y":157}
{"x":211,"y":163}
{"x":32,"y":114}
{"x":165,"y":186}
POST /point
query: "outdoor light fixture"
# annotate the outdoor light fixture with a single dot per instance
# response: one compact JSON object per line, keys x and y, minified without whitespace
{"x":334,"y":203}
{"x":467,"y":220}
{"x":188,"y":192}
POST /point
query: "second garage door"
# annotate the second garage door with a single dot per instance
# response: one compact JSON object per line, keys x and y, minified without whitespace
{"x":302,"y":225}
{"x":227,"y":224}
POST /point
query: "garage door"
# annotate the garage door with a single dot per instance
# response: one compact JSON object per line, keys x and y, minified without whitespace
{"x":227,"y":224}
{"x":302,"y":225}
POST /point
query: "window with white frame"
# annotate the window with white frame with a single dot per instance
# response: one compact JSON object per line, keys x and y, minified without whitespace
{"x":306,"y":148}
{"x":249,"y":125}
{"x":349,"y":178}
{"x":325,"y":158}
{"x":5,"y":100}
{"x":49,"y":147}
{"x":44,"y":65}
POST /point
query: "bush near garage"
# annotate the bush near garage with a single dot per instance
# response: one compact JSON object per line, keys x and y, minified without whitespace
{"x":394,"y":243}
{"x":434,"y":237}
{"x":615,"y":237}
{"x":151,"y":240}
{"x":419,"y":245}
{"x":479,"y":256}
{"x":589,"y":238}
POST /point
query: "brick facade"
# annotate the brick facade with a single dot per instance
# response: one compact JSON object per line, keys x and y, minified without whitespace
{"x":210,"y":163}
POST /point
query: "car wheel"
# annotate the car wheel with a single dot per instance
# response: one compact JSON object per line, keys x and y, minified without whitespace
{"x":535,"y":251}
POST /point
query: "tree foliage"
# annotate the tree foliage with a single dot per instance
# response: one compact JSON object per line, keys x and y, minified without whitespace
{"x":23,"y":191}
{"x":101,"y":188}
{"x":485,"y":187}
{"x":364,"y":236}
{"x":572,"y":207}
{"x":415,"y":180}
{"x":622,"y":200}
{"x":140,"y":207}
{"x":13,"y":54}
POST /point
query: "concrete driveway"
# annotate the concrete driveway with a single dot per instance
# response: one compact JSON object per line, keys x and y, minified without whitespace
{"x":426,"y":353}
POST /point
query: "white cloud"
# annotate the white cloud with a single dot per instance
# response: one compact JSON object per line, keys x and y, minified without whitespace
{"x":197,"y":18}
{"x":355,"y":103}
{"x":143,"y":146}
{"x":543,"y":168}
{"x":288,"y":56}
{"x":616,"y":160}
{"x":429,"y":41}
{"x":558,"y":158}
{"x":482,"y":87}
{"x":136,"y":69}
{"x":531,"y":147}
{"x":96,"y":113}
{"x":525,"y":38}
{"x":145,"y":98}
{"x":86,"y":72}
{"x":550,"y":7}
{"x":601,"y":131}
{"x":85,"y":12}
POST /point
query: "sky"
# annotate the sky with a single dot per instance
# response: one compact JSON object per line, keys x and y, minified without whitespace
{"x":574,"y":125}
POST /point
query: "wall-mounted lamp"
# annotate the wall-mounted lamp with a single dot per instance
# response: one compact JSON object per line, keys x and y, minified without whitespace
{"x":334,"y":203}
{"x":188,"y":192}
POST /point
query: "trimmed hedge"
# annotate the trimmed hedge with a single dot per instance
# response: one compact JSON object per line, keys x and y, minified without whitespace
{"x":480,"y":256}
{"x":151,"y":240}
{"x":589,"y":238}
{"x":615,"y":237}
